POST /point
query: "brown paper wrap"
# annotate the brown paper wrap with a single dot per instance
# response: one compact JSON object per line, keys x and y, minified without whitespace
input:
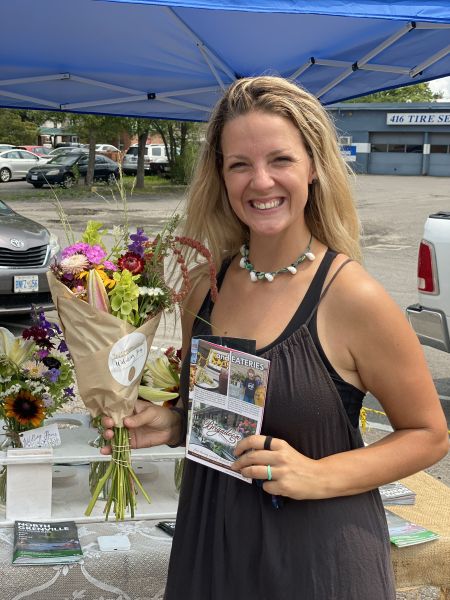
{"x":91,"y":335}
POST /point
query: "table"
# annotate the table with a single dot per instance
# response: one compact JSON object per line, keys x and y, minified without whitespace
{"x":425,"y":564}
{"x":138,"y":574}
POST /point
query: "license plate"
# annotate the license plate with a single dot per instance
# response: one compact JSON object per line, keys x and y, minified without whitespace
{"x":34,"y":177}
{"x":26,"y":283}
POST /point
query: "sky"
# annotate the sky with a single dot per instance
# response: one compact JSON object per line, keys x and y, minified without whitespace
{"x":441,"y":85}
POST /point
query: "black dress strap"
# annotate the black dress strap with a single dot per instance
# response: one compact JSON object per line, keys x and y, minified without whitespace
{"x":314,"y":310}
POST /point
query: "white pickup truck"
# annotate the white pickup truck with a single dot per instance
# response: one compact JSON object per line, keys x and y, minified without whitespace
{"x":430,"y":318}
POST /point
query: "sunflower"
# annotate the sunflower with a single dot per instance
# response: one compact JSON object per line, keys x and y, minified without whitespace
{"x":25,"y":408}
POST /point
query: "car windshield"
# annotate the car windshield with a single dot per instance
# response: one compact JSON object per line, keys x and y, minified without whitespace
{"x":4,"y":209}
{"x":63,"y":159}
{"x":133,"y":151}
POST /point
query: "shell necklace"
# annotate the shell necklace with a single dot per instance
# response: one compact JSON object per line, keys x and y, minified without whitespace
{"x":270,"y":275}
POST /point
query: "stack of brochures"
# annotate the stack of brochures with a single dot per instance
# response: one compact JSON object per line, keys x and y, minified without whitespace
{"x":397,"y":493}
{"x":45,"y":543}
{"x":405,"y":533}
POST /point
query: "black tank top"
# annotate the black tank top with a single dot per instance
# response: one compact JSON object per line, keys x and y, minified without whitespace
{"x":351,"y":397}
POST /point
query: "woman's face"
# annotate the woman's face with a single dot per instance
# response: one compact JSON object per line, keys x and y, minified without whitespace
{"x":266,"y":170}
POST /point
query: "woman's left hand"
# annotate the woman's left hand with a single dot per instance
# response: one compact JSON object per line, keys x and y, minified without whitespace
{"x":293,"y":474}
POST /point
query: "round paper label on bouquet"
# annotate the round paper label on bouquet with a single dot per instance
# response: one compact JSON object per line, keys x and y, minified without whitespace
{"x":127,"y":358}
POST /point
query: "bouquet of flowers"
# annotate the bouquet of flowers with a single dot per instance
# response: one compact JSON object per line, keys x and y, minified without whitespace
{"x":109,"y":304}
{"x":36,"y":379}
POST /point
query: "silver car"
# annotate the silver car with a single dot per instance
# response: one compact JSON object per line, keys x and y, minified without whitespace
{"x":15,"y":164}
{"x":26,"y":250}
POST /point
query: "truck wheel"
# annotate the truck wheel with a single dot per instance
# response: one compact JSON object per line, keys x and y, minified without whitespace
{"x":37,"y":185}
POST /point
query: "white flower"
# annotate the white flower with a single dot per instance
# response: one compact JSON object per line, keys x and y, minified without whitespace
{"x":77,"y":263}
{"x":15,"y":348}
{"x":34,"y":369}
{"x":152,"y":291}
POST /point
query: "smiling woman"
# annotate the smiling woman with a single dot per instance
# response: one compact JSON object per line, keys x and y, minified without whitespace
{"x":26,"y":250}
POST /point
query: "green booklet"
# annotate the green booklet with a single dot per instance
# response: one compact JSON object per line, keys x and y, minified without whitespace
{"x":46,"y":543}
{"x":405,"y":533}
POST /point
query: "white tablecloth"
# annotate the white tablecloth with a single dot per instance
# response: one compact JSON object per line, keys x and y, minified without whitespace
{"x":138,"y":574}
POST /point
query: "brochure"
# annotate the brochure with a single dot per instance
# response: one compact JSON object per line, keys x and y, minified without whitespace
{"x":227,"y":393}
{"x":405,"y":533}
{"x":397,"y":493}
{"x":42,"y":543}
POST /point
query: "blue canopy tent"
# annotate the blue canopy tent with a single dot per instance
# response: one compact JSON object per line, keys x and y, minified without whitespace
{"x":166,"y":59}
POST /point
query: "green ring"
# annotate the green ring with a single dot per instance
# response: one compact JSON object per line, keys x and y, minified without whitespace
{"x":269,"y":473}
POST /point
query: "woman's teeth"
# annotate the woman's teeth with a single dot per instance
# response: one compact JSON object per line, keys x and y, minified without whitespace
{"x":266,"y":205}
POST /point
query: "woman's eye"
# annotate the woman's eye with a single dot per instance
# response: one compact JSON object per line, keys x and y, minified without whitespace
{"x":236,"y":165}
{"x":283,"y":159}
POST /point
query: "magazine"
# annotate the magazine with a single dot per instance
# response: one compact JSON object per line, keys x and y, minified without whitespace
{"x":405,"y":533}
{"x":42,"y":543}
{"x":396,"y":493}
{"x":227,"y":392}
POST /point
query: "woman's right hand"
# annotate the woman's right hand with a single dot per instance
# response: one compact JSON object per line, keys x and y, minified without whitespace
{"x":151,"y":425}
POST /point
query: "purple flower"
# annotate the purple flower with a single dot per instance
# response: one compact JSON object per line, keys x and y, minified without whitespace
{"x":109,"y":265}
{"x":42,"y":353}
{"x":52,"y":375}
{"x":139,"y":238}
{"x":78,"y":248}
{"x":69,"y":392}
{"x":95,"y":254}
{"x":62,"y":346}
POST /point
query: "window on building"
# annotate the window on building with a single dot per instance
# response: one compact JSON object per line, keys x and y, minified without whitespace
{"x":379,"y":148}
{"x":414,"y":148}
{"x":439,"y":149}
{"x":396,"y":148}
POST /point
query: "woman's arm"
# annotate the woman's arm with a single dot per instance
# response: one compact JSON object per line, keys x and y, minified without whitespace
{"x":377,"y":342}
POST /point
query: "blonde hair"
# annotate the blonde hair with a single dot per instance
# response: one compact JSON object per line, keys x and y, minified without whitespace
{"x":330,"y":212}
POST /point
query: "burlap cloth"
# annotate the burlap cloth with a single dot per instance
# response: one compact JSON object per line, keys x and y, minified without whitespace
{"x":429,"y":563}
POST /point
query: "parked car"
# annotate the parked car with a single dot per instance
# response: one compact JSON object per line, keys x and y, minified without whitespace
{"x":105,"y":169}
{"x":69,"y":145}
{"x":155,"y":160}
{"x":26,"y":251}
{"x":65,"y":170}
{"x":68,"y":150}
{"x":41,"y":151}
{"x":106,"y":148}
{"x":4,"y":147}
{"x":15,"y":164}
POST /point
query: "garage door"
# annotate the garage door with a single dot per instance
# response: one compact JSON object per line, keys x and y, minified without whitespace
{"x":439,"y":154}
{"x":396,"y":153}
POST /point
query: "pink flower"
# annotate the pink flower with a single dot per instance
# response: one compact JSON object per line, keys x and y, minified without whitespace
{"x":109,"y":265}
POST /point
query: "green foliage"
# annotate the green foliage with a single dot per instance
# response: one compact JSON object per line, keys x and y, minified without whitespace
{"x":181,"y":139}
{"x":124,"y":297}
{"x":420,"y":92}
{"x":15,"y":129}
{"x":93,"y":234}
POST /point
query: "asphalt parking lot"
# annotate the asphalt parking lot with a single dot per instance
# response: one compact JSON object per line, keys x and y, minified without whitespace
{"x":392,"y":209}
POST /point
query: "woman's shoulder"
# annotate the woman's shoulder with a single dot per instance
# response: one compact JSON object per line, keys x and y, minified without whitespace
{"x":355,"y":293}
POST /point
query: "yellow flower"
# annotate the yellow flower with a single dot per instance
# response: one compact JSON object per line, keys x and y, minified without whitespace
{"x":25,"y":408}
{"x":107,"y":281}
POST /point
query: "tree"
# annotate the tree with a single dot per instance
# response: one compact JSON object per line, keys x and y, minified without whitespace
{"x":92,"y":128}
{"x":421,"y":92}
{"x":14,"y":129}
{"x":181,"y":139}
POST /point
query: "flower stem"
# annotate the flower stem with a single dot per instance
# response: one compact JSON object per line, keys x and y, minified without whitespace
{"x":124,"y":481}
